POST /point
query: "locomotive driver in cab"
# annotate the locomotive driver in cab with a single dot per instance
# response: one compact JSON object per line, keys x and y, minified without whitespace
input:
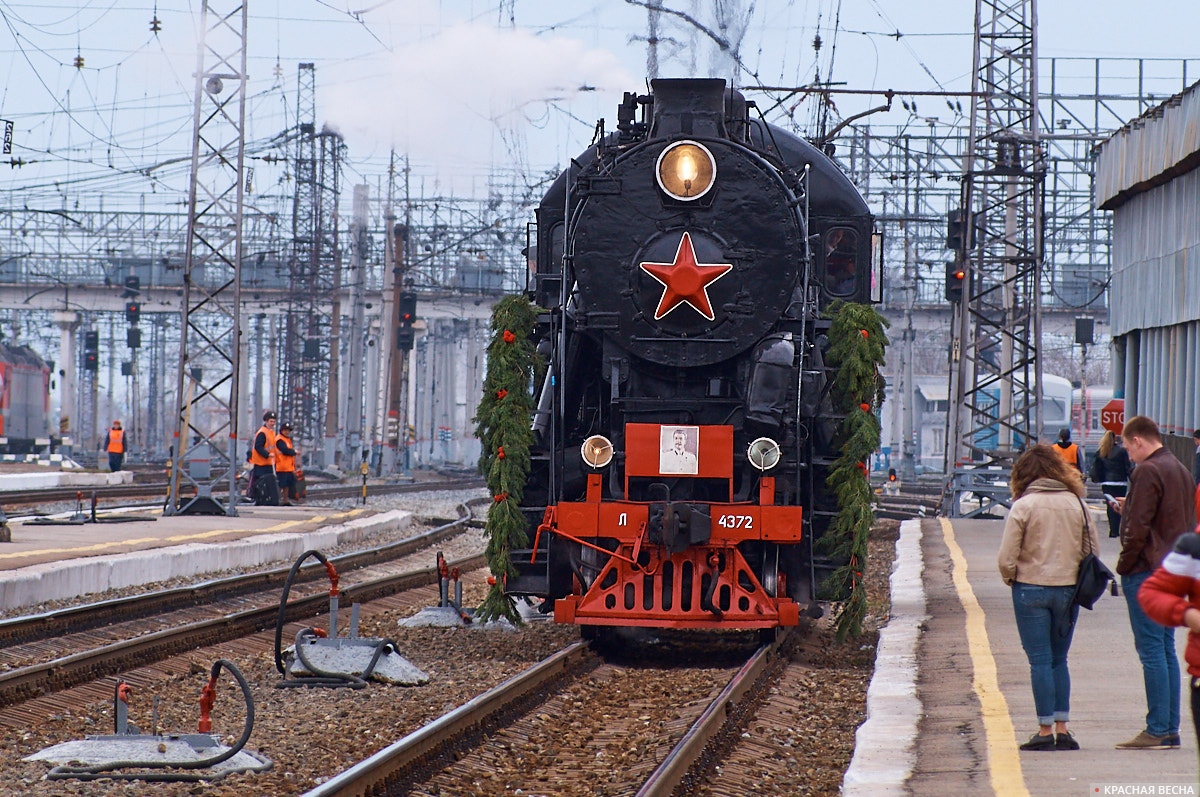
{"x":262,"y":457}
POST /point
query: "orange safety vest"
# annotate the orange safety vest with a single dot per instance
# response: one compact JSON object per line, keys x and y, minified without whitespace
{"x":1070,"y":454}
{"x":116,"y":441}
{"x":283,"y":462}
{"x":257,"y":459}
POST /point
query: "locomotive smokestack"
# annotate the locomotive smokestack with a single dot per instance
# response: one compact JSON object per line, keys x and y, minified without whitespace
{"x":689,"y":107}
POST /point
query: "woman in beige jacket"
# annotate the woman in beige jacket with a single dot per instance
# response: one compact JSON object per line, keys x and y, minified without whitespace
{"x":1039,"y":558}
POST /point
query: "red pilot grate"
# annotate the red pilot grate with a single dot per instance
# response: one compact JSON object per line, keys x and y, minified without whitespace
{"x":703,"y":587}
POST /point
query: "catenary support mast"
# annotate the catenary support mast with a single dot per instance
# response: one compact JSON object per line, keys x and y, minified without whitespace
{"x":203,"y":461}
{"x":994,"y":370}
{"x":308,"y":392}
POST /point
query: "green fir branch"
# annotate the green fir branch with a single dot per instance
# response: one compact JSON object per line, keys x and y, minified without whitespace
{"x":857,"y":345}
{"x":503,"y":428}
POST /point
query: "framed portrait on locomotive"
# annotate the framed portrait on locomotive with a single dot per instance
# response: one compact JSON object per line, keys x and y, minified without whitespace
{"x":677,"y":450}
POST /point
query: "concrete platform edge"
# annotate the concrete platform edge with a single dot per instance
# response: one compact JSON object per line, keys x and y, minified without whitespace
{"x":35,"y":584}
{"x":12,"y":482}
{"x":884,"y":752}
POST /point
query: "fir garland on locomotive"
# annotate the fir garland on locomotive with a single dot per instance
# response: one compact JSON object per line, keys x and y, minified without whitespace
{"x":684,"y":421}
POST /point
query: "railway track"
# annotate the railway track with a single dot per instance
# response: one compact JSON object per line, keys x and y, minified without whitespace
{"x":634,"y":745}
{"x":218,"y":624}
{"x":604,"y":731}
{"x":913,"y":502}
{"x":522,"y":717}
{"x":75,"y":619}
{"x":905,"y":507}
{"x":147,"y":490}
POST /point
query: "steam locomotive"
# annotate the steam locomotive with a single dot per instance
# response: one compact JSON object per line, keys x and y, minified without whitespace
{"x":684,"y":429}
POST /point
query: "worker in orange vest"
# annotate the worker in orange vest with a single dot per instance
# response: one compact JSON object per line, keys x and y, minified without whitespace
{"x":262,"y":458}
{"x":285,"y":465}
{"x":1071,"y":453}
{"x":115,"y":443}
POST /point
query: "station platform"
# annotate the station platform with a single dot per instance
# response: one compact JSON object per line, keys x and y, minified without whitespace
{"x":26,"y":476}
{"x":951,"y":700}
{"x":52,"y":562}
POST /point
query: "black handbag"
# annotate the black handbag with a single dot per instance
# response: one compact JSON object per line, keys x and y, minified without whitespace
{"x":1094,"y":576}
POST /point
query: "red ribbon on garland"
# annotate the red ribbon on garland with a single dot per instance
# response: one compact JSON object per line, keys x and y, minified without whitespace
{"x":501,"y":393}
{"x":500,"y":452}
{"x":499,"y":497}
{"x":509,"y":337}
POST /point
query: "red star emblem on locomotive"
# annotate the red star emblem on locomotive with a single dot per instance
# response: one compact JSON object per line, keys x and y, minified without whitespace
{"x":685,"y":281}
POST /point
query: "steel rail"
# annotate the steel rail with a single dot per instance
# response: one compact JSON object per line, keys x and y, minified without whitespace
{"x":687,"y":754}
{"x":374,"y":774}
{"x":393,"y":767}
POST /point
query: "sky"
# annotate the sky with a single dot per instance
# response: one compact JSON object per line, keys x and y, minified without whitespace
{"x":463,"y":86}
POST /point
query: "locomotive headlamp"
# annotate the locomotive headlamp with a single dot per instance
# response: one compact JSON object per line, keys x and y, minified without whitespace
{"x":763,"y":453}
{"x":686,"y":170}
{"x":597,"y":451}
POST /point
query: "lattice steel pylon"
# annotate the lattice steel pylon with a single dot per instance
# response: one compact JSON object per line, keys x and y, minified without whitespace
{"x":307,"y":393}
{"x":203,"y":460}
{"x":994,"y":368}
{"x":296,"y":376}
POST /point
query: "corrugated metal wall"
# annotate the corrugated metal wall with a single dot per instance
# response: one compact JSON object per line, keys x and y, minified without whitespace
{"x":1154,"y":302}
{"x":1156,"y":256}
{"x":1149,"y":145}
{"x":1161,"y":378}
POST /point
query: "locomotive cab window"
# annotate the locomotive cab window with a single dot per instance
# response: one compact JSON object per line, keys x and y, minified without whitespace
{"x":841,"y":261}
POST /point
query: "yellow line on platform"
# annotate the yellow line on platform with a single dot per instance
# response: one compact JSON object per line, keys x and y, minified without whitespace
{"x":182,"y":538}
{"x":1004,"y":760}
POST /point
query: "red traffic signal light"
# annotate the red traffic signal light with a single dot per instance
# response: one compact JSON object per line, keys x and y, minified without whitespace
{"x":407,"y":307}
{"x":956,"y":276}
{"x":133,"y":312}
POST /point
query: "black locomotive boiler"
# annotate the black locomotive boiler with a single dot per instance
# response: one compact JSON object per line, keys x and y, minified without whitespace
{"x":683,"y":428}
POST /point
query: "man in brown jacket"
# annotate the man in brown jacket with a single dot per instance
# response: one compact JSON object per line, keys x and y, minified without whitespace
{"x":1157,"y":510}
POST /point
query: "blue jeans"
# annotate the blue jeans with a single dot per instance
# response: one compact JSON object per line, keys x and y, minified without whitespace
{"x":1046,"y":623}
{"x":1160,"y":666}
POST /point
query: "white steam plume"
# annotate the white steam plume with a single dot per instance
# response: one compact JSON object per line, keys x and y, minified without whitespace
{"x":444,"y":96}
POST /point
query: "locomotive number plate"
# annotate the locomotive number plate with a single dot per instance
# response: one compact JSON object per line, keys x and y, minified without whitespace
{"x":736,"y":521}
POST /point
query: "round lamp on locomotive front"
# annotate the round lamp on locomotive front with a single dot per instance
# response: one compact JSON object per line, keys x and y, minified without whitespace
{"x":597,"y":451}
{"x":686,"y":170}
{"x":764,"y":453}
